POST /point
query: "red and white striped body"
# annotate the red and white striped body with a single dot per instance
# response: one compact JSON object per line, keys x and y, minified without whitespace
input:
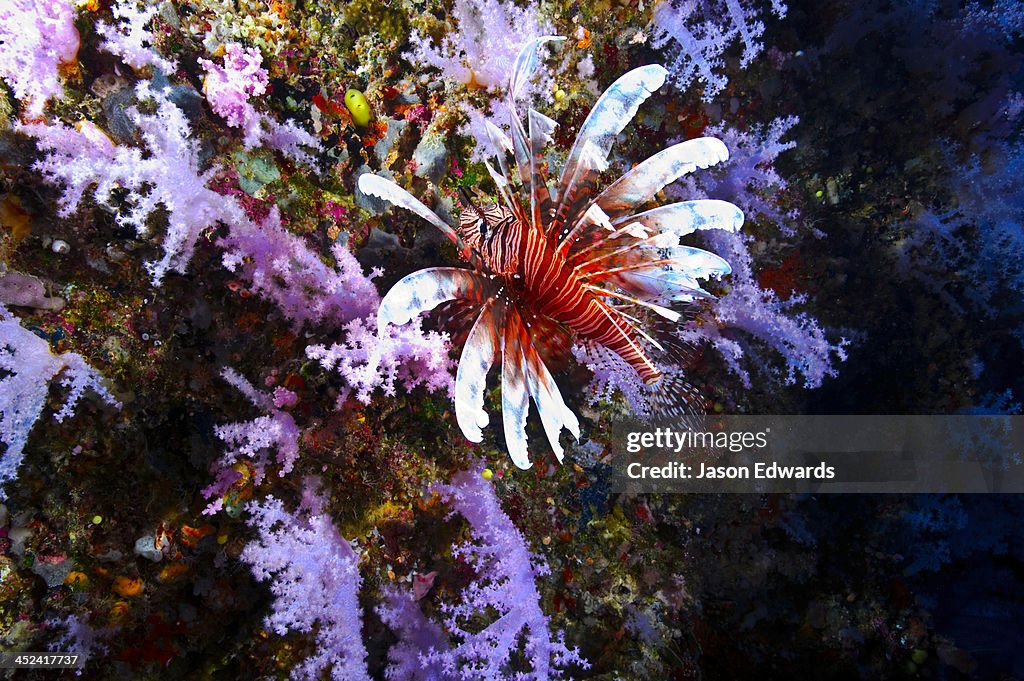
{"x":540,"y":281}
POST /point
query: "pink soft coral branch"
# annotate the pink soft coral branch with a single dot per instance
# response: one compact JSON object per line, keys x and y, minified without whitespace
{"x":37,"y":37}
{"x":505,"y":586}
{"x":314,"y":576}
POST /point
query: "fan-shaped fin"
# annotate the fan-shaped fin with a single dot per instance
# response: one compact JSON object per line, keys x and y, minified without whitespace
{"x":515,"y":400}
{"x":478,"y":356}
{"x":626,"y":346}
{"x":426,"y":289}
{"x":688,"y":216}
{"x":382,"y":188}
{"x":554,"y":414}
{"x":612,"y":112}
{"x":672,"y":396}
{"x":648,"y":178}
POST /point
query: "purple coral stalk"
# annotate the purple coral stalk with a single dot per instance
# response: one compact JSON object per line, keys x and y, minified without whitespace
{"x":314,"y":576}
{"x":750,"y":181}
{"x":421,"y":642}
{"x":253,"y":440}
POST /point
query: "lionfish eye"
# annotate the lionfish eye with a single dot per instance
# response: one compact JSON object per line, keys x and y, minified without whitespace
{"x":483,"y":229}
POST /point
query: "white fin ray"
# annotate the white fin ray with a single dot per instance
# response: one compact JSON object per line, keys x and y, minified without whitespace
{"x":502,"y":145}
{"x":685,"y":217}
{"x":426,"y":289}
{"x":475,"y":363}
{"x":523,"y":69}
{"x":554,"y":414}
{"x":541,"y":127}
{"x":662,"y":274}
{"x":661,"y":310}
{"x":382,"y":188}
{"x":515,"y":399}
{"x":610,"y":115}
{"x":689,"y":260}
{"x":661,"y":227}
{"x":501,"y":183}
{"x":526,"y":64}
{"x":657,"y":288}
{"x":648,"y":178}
{"x":576,"y":189}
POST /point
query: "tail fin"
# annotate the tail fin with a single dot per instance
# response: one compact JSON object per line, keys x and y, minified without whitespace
{"x":673,"y":397}
{"x":669,"y":396}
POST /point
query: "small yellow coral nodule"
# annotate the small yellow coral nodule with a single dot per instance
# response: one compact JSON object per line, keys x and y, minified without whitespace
{"x":359,"y":107}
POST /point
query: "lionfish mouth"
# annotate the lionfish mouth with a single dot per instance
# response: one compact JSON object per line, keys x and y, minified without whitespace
{"x":593,"y":263}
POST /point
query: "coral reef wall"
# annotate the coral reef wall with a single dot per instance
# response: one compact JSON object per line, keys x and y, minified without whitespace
{"x":215,"y":465}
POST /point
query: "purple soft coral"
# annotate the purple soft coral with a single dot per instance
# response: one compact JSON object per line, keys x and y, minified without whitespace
{"x":229,"y":87}
{"x":81,"y":157}
{"x":253,"y":440}
{"x":30,"y":366}
{"x":751,"y":182}
{"x":130,"y":40}
{"x":796,"y":336}
{"x":314,"y":576}
{"x":696,"y":35}
{"x":37,"y":37}
{"x":491,"y":33}
{"x":505,"y":585}
{"x":368,"y":361}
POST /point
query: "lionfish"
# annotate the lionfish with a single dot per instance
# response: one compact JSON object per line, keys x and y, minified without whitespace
{"x":563,"y":259}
